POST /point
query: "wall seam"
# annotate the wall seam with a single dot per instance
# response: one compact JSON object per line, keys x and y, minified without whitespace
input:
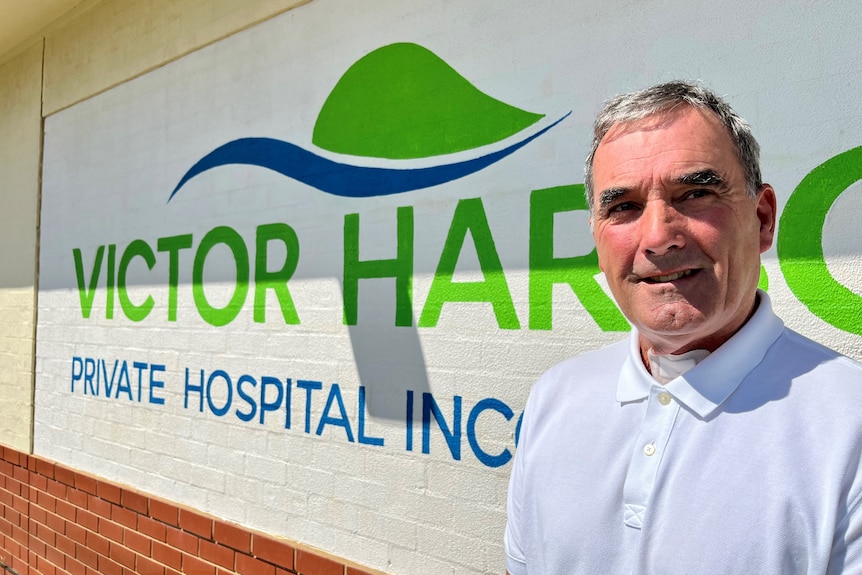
{"x":37,"y":250}
{"x":172,"y":59}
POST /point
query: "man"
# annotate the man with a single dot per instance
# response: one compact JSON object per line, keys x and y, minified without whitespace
{"x":714,"y":439}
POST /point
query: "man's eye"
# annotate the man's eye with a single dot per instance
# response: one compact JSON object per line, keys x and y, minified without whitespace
{"x":621,"y":207}
{"x":694,"y":194}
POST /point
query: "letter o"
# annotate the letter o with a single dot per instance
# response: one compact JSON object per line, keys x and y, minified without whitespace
{"x":213,"y":315}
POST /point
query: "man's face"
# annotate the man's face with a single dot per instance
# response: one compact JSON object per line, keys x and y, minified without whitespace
{"x":678,"y":237}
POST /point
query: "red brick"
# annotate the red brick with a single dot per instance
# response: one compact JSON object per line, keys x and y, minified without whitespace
{"x":196,"y":523}
{"x":87,"y":556}
{"x":165,"y":512}
{"x":75,"y":567}
{"x":108,"y":567}
{"x":233,"y":536}
{"x":218,"y":554}
{"x":124,"y":516}
{"x":66,"y":545}
{"x":194,"y":566}
{"x":86,"y":483}
{"x":64,"y":475}
{"x":56,"y":523}
{"x":36,"y":545}
{"x":272,"y":550}
{"x":280,"y":571}
{"x":314,"y":564}
{"x":76,"y":497}
{"x":46,"y":534}
{"x":46,"y":501}
{"x":12,"y":516}
{"x":99,"y":506}
{"x":108,"y":491}
{"x":9,"y":454}
{"x":44,"y":467}
{"x":66,"y":510}
{"x":44,"y":567}
{"x":123,"y":556}
{"x":134,"y":501}
{"x":182,"y":540}
{"x":56,"y":489}
{"x":13,"y":486}
{"x":38,"y":514}
{"x":250,"y":566}
{"x":20,"y":535}
{"x":56,"y":557}
{"x":11,"y":546}
{"x":167,"y":555}
{"x":99,"y":544}
{"x":151,"y":528}
{"x":76,"y":533}
{"x":146,"y":566}
{"x":21,"y":474}
{"x":20,"y":504}
{"x":137,"y":542}
{"x":6,"y":497}
{"x":111,"y":530}
{"x":38,"y":481}
{"x":88,"y":520}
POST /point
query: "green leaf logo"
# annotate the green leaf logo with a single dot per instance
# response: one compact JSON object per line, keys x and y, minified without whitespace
{"x":402,"y":101}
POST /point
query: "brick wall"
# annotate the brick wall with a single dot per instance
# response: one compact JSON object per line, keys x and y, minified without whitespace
{"x":57,"y":521}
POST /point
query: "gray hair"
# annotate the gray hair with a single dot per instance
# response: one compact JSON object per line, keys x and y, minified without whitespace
{"x":662,"y":99}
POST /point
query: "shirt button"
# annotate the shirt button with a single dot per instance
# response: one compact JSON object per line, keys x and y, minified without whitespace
{"x":664,"y":398}
{"x":649,"y":449}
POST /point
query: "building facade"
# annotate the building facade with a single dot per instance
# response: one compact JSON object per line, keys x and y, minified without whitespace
{"x":278,"y":275}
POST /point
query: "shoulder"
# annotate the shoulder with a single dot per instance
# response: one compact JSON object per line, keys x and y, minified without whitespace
{"x":820,"y":388}
{"x":597,"y":370}
{"x":809,"y":359}
{"x":597,"y":364}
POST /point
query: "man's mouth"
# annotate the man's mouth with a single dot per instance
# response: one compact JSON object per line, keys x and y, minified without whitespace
{"x":669,"y":277}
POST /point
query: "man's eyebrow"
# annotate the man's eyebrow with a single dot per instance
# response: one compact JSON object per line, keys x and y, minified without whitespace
{"x":701,"y":178}
{"x":609,"y":196}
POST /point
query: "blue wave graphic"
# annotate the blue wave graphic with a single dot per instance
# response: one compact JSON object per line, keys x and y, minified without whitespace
{"x":341,"y":179}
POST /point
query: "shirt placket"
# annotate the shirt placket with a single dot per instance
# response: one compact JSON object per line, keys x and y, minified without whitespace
{"x":649,"y":450}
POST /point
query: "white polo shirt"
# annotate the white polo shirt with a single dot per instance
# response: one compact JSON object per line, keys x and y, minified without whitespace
{"x":749,"y":463}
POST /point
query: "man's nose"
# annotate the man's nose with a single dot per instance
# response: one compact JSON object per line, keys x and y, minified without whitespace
{"x":660,"y":228}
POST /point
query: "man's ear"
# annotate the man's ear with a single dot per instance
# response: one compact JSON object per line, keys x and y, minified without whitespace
{"x":767,"y":212}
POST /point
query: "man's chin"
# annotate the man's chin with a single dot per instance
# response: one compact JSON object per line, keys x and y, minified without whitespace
{"x":672,"y":326}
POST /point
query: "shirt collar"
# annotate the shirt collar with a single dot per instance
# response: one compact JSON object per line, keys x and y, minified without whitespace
{"x":706,"y":386}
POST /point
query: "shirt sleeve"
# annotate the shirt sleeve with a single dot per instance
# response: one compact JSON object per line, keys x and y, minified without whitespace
{"x":516,"y":563}
{"x":847,"y":545}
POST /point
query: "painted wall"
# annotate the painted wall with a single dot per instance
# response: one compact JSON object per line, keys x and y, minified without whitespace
{"x":303,"y":278}
{"x":96,"y":45}
{"x":20,"y":150}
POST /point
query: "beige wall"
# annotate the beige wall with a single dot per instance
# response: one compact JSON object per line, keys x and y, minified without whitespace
{"x":20,"y":153}
{"x":96,"y":46}
{"x":117,"y":40}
